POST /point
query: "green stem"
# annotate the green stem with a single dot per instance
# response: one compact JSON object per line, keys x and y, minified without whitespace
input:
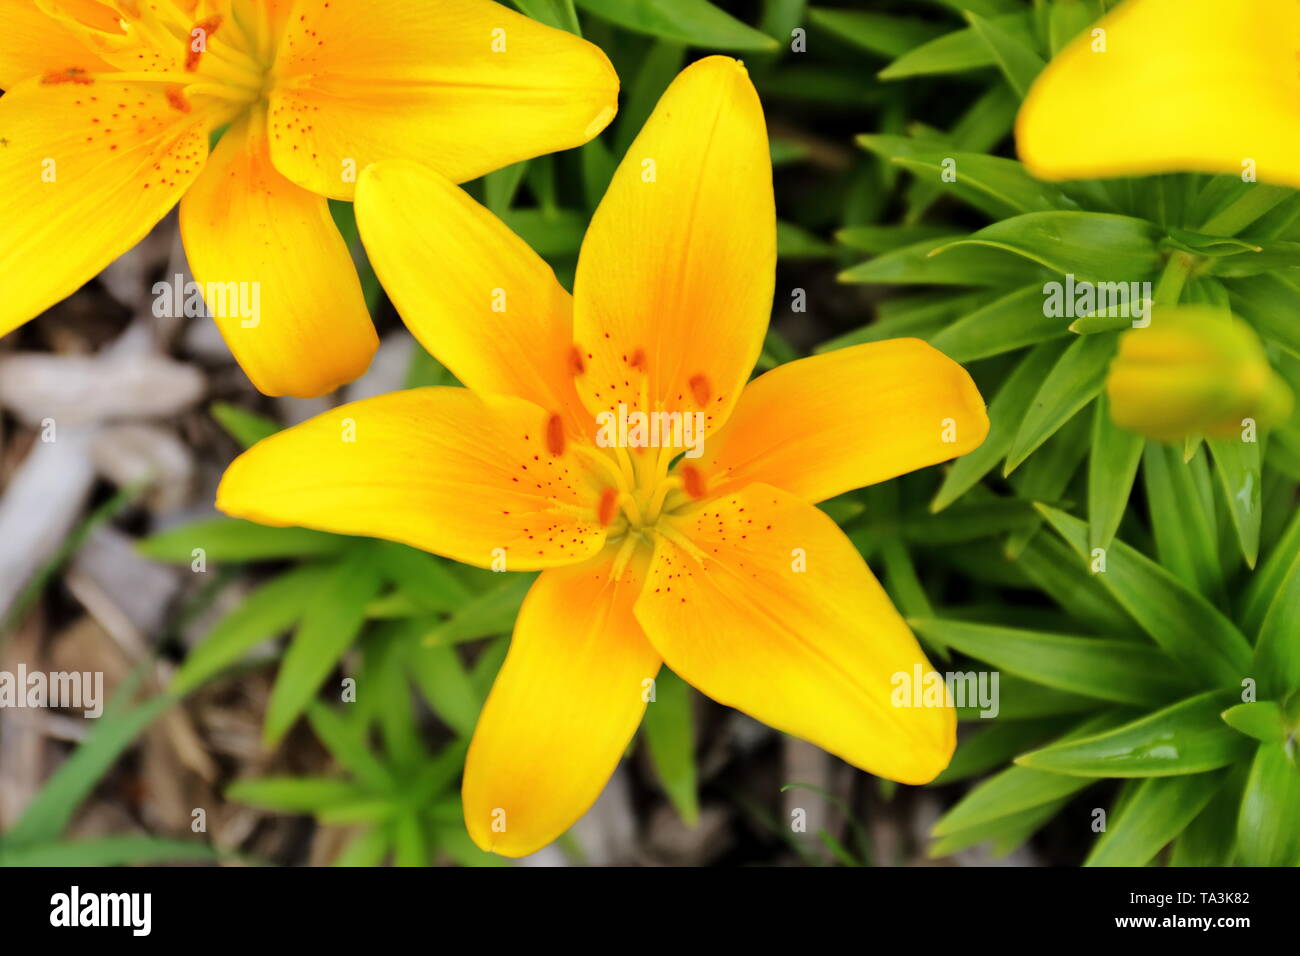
{"x":1177,"y":271}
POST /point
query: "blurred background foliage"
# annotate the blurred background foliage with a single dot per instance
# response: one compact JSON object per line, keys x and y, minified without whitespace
{"x":1121,"y":692}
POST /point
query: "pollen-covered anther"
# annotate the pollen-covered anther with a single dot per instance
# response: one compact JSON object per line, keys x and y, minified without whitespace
{"x":700,"y":390}
{"x":176,"y":99}
{"x":200,"y":33}
{"x":637,"y":361}
{"x":608,"y":506}
{"x":577,"y":365}
{"x":555,"y":435}
{"x":73,"y":74}
{"x":692,"y":482}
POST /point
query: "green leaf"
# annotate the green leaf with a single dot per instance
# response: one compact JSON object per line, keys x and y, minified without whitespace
{"x":294,"y":794}
{"x":1210,"y":839}
{"x":1073,"y":382}
{"x":914,"y":315}
{"x":328,"y":628}
{"x":1120,"y":671}
{"x":1025,"y":700}
{"x":876,"y":32}
{"x":1238,"y":466}
{"x":1007,"y":833}
{"x":446,"y":685}
{"x":236,"y":540}
{"x":554,"y":13}
{"x":794,"y":242}
{"x":1048,"y":474}
{"x":1277,"y":651}
{"x":878,"y":239}
{"x":1050,"y":564}
{"x":1159,"y":810}
{"x":1266,"y":582}
{"x":988,"y":749}
{"x":501,"y":185}
{"x":491,"y":612}
{"x":1014,"y":55}
{"x":1005,"y":412}
{"x":49,"y":812}
{"x":267,"y":612}
{"x":109,"y":851}
{"x":956,"y":52}
{"x":1019,"y":789}
{"x":1268,"y":829}
{"x":368,"y":848}
{"x":1184,"y":738}
{"x":1181,"y":621}
{"x":1012,"y":322}
{"x":1112,"y":467}
{"x":972,"y":265}
{"x":1261,"y":720}
{"x":1182,"y":517}
{"x":1092,"y":246}
{"x":979,"y":179}
{"x":426,"y":579}
{"x":247,"y":428}
{"x":347,"y":740}
{"x":669,"y":730}
{"x":1270,"y":303}
{"x":693,"y":22}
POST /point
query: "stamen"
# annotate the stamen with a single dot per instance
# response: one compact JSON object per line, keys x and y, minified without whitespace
{"x":608,"y":506}
{"x":692,"y":481}
{"x":555,"y":435}
{"x":700,"y":389}
{"x":207,"y":28}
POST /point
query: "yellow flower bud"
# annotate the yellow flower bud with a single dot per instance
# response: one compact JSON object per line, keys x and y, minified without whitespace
{"x":1194,"y":370}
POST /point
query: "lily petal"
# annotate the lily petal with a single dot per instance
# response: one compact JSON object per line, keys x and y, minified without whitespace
{"x":474,"y":478}
{"x":249,"y":231}
{"x":464,"y":85}
{"x":565,"y":704}
{"x":32,"y":43}
{"x":824,"y":425}
{"x":674,"y":283}
{"x":90,"y":164}
{"x":474,"y":294}
{"x":1180,"y":85}
{"x":760,"y":601}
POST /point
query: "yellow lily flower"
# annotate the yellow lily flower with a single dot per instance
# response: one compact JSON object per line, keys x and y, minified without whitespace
{"x":710,"y":557}
{"x":1164,"y":85}
{"x":108,"y":109}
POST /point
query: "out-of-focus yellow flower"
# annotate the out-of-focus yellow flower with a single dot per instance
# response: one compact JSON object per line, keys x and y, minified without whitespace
{"x":109,"y":106}
{"x":711,"y":557}
{"x":1165,"y":85}
{"x":1194,"y":371}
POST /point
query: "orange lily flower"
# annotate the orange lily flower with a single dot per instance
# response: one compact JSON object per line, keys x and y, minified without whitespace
{"x":711,"y":557}
{"x":109,"y":106}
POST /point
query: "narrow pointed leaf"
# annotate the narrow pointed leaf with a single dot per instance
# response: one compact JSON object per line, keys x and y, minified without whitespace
{"x":1123,"y":672}
{"x":1158,"y":811}
{"x":1184,"y":738}
{"x":1181,"y":621}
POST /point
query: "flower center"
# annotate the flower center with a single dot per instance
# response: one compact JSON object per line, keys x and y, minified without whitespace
{"x":643,"y":486}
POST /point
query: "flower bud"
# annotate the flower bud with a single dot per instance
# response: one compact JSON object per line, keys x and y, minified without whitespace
{"x":1194,"y":370}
